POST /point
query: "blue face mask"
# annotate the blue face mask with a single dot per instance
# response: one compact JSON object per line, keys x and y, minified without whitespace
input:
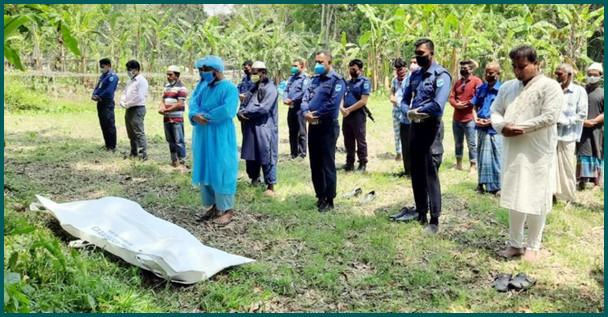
{"x":207,"y":76}
{"x":201,"y":74}
{"x":294,"y":70}
{"x":319,"y":69}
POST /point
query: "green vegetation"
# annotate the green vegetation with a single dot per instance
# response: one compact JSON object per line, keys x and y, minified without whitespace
{"x":350,"y":260}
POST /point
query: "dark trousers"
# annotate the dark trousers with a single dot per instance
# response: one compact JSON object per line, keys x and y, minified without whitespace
{"x":134,"y":122}
{"x":404,"y":133}
{"x":425,"y":176}
{"x":353,"y":128}
{"x":297,"y":132}
{"x":270,"y":171}
{"x":322,"y":140}
{"x":105,"y":112}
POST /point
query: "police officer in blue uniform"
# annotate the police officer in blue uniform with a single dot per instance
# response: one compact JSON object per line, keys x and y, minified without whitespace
{"x":246,"y":83}
{"x":353,"y":124}
{"x":104,"y":95}
{"x":320,"y":108}
{"x":292,"y":97}
{"x":425,"y":97}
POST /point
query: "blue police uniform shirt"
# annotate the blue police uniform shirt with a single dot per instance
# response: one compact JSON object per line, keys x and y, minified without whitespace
{"x":428,"y":90}
{"x":323,"y":96}
{"x":106,"y":86}
{"x":355,"y":89}
{"x":245,"y":85}
{"x":483,"y":99}
{"x":296,"y":87}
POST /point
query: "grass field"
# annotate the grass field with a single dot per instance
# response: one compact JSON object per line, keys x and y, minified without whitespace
{"x":352,"y":259}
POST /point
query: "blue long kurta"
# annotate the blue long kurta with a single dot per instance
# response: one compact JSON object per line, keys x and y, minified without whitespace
{"x":261,"y":131}
{"x":214,"y":147}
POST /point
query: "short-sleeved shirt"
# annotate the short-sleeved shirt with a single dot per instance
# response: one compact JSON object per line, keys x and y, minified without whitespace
{"x":171,"y":95}
{"x":483,"y":99}
{"x":428,"y":90}
{"x":323,"y":95}
{"x":355,"y":89}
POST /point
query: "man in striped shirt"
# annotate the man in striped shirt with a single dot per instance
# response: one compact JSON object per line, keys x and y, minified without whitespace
{"x":172,"y":108}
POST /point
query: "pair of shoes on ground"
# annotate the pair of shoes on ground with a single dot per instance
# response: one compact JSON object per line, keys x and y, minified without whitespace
{"x":408,"y":214}
{"x":218,"y":217}
{"x":351,"y":167}
{"x":504,"y":282}
{"x":358,"y":191}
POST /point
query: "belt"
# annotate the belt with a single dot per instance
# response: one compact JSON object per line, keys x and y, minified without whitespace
{"x":321,"y":121}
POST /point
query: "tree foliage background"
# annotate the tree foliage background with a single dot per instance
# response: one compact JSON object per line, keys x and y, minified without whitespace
{"x":72,"y":37}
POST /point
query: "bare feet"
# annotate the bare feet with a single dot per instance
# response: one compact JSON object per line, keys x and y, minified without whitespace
{"x":511,"y":252}
{"x":269,"y":191}
{"x":473,"y":168}
{"x":530,"y":256}
{"x":224,"y":219}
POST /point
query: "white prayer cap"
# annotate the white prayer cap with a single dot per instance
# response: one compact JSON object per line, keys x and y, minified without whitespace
{"x":597,"y":66}
{"x":173,"y":68}
{"x":258,"y":65}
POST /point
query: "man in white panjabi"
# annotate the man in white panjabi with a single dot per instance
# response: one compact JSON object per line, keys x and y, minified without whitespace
{"x":569,"y":129}
{"x":525,"y":112}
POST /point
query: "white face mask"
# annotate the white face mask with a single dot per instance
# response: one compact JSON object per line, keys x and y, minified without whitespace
{"x":593,"y":79}
{"x":131,"y":73}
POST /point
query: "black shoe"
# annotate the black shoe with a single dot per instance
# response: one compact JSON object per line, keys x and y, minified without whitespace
{"x":320,"y":201}
{"x":361,"y":168}
{"x":326,"y":206}
{"x":402,"y":212}
{"x":348,"y":167}
{"x":409,"y":215}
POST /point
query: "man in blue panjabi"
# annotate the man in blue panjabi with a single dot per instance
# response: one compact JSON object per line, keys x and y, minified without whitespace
{"x":213,"y":106}
{"x":259,"y":118}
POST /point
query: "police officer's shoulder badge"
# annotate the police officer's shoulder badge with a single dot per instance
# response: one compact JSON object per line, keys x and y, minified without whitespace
{"x":440,"y":82}
{"x":305,"y":81}
{"x":366,"y":85}
{"x":338,"y":87}
{"x":111,"y":78}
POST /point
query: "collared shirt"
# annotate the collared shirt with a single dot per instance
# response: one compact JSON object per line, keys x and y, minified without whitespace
{"x":573,"y":114}
{"x":355,"y":89}
{"x":428,"y":90}
{"x":245,"y":85}
{"x":323,"y":95}
{"x":482,"y":101}
{"x":296,"y":86}
{"x":106,"y":86}
{"x":398,"y":91}
{"x":463,"y":91}
{"x":171,"y":94}
{"x":135,"y":92}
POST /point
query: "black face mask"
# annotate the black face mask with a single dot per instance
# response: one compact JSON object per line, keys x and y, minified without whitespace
{"x":490,"y":79}
{"x":423,"y":61}
{"x":246,"y":72}
{"x":354,"y":74}
{"x":464,"y":72}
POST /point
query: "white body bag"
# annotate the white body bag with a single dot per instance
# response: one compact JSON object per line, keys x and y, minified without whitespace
{"x":125,"y":229}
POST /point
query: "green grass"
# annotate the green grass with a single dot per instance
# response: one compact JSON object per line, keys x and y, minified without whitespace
{"x":352,"y":259}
